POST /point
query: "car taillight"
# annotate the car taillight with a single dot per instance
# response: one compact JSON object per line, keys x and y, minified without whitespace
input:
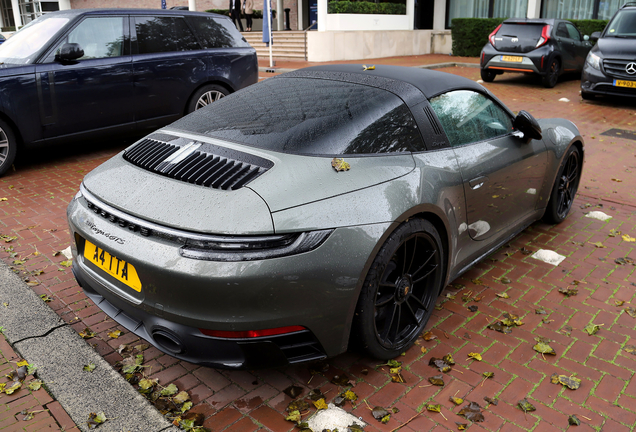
{"x":491,"y":38}
{"x":252,"y":333}
{"x":545,"y":36}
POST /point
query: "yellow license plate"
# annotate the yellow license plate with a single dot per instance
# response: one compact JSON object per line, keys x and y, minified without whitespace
{"x":515,"y":59}
{"x":117,"y":268}
{"x":622,"y":83}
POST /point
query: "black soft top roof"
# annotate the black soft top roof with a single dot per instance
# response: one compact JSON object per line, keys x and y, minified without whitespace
{"x":394,"y":78}
{"x":124,"y":11}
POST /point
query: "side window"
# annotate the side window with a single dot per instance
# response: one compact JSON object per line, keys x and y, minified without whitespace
{"x":216,"y":33}
{"x":163,"y":34}
{"x":573,"y":32}
{"x":562,"y":31}
{"x":468,"y":116}
{"x":99,"y":37}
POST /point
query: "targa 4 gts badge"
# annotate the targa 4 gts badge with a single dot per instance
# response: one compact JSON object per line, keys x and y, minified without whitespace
{"x":108,"y":235}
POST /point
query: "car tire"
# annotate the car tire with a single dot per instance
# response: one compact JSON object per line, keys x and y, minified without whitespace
{"x":552,"y":74}
{"x":8,"y":147}
{"x":400,"y":290}
{"x":205,"y":96}
{"x":488,"y":75}
{"x":565,"y":187}
{"x":587,"y":96}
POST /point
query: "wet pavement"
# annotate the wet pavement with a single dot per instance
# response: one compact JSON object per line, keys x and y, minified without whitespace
{"x":44,"y":181}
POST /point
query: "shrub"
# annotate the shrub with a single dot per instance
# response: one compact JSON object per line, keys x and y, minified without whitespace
{"x":587,"y":27}
{"x":365,"y":7}
{"x":256,"y":15}
{"x":471,"y":34}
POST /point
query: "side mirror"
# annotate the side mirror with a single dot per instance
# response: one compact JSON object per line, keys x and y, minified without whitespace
{"x":586,"y":38}
{"x":524,"y":122}
{"x":595,"y":36}
{"x":69,"y":52}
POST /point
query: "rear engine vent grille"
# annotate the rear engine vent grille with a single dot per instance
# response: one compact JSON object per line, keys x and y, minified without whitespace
{"x":192,"y":163}
{"x":432,"y":121}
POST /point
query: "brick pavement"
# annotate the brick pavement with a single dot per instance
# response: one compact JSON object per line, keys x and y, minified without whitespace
{"x":38,"y":191}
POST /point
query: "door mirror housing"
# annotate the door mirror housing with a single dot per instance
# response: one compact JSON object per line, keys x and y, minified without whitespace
{"x":69,"y":52}
{"x":595,"y":36}
{"x":524,"y":122}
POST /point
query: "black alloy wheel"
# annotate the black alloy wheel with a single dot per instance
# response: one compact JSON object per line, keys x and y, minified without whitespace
{"x":552,"y":76}
{"x":400,"y":290}
{"x":565,"y":187}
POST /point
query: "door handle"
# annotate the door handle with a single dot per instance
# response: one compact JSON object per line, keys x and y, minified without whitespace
{"x":478,"y":182}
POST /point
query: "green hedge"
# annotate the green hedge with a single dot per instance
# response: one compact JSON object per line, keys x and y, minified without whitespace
{"x":365,"y":7}
{"x":256,"y":15}
{"x":471,"y":34}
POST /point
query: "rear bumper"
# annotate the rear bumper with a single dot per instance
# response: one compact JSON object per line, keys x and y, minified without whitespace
{"x":498,"y":64}
{"x":535,"y":61}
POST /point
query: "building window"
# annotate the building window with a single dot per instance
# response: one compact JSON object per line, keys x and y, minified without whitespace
{"x":580,"y":9}
{"x":485,"y":9}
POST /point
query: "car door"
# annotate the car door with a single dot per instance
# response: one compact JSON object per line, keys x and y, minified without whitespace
{"x":566,"y":46}
{"x":95,"y":91}
{"x":581,"y":47}
{"x":168,"y":65}
{"x":502,"y":173}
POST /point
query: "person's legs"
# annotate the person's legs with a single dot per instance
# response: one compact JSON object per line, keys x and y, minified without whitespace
{"x":236,"y":15}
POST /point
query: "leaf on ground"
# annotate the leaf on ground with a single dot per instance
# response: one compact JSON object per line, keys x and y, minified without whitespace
{"x":472,"y":412}
{"x":15,"y":386}
{"x":525,"y":251}
{"x":624,"y":261}
{"x":22,"y":363}
{"x":393,"y":363}
{"x":493,"y":401}
{"x":429,"y":336}
{"x":570,"y":382}
{"x":631,"y":312}
{"x":186,"y":406}
{"x":526,"y":406}
{"x":315,"y":395}
{"x":477,"y":281}
{"x":340,"y":380}
{"x":569,"y":292}
{"x":598,"y":244}
{"x":503,"y":295}
{"x":631,"y":349}
{"x":320,"y":404}
{"x":488,"y":374}
{"x":439,"y":364}
{"x":475,"y":356}
{"x":544,"y":348}
{"x":89,"y":367}
{"x":448,"y":358}
{"x":628,"y":238}
{"x":45,"y":298}
{"x":437,"y":380}
{"x":35,"y":385}
{"x":299,"y":404}
{"x":473,"y":308}
{"x":66,"y":263}
{"x":294,"y":416}
{"x":456,"y":400}
{"x":293,"y":391}
{"x":28,"y":415}
{"x":614,"y":232}
{"x":350,"y":396}
{"x":147,"y":384}
{"x":87,"y":333}
{"x":434,"y":408}
{"x":169,"y":390}
{"x":181,"y":397}
{"x":114,"y":334}
{"x":573,"y":420}
{"x":379,"y":413}
{"x":461,"y":426}
{"x":619,"y":302}
{"x":591,"y":329}
{"x":566,"y":330}
{"x":540,"y":311}
{"x":504,"y":280}
{"x":498,"y":326}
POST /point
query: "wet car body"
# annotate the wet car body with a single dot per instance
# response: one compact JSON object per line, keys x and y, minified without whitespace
{"x":315,"y":233}
{"x":610,"y":68}
{"x":547,"y":47}
{"x":126,"y":81}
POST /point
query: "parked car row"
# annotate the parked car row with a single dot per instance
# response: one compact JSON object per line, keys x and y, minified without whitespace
{"x":79,"y":74}
{"x":551,"y":47}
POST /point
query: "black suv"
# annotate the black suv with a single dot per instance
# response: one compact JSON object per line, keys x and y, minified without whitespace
{"x":610,"y":68}
{"x":83,"y":74}
{"x":548,"y":47}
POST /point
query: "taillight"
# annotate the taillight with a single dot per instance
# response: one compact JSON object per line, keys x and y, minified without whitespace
{"x":545,"y":36}
{"x":491,"y":38}
{"x":252,"y":333}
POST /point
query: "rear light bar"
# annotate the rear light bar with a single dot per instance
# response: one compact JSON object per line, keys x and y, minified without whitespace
{"x":252,"y":333}
{"x":545,"y":36}
{"x":491,"y":38}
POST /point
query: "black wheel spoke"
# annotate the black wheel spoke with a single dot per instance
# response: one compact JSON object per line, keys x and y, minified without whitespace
{"x":424,"y":264}
{"x":412,"y":313}
{"x":387,"y":328}
{"x":383,"y":302}
{"x":398,"y":320}
{"x":426,"y":275}
{"x":408,"y":270}
{"x":419,"y":302}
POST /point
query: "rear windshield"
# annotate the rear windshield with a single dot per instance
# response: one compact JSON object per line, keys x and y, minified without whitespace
{"x":521,"y":31}
{"x":310,"y":116}
{"x":623,"y":25}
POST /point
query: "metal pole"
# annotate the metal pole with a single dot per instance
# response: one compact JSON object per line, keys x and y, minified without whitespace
{"x":269,"y":29}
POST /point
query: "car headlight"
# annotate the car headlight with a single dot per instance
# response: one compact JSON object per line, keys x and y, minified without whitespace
{"x":594,"y":61}
{"x":254,"y":248}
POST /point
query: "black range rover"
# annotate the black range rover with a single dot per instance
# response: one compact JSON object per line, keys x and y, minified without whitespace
{"x":548,"y":47}
{"x":610,"y":68}
{"x":83,"y":74}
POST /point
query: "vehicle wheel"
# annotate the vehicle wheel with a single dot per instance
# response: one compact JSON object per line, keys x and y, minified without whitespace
{"x":205,"y":96}
{"x":400,"y":290}
{"x":587,"y":96}
{"x":565,"y":187}
{"x":488,"y":75}
{"x":552,"y":76}
{"x":8,"y":147}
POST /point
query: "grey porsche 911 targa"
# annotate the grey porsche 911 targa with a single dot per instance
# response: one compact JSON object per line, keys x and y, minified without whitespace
{"x":318,"y":210}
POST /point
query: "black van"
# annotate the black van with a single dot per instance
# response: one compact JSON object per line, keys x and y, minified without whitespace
{"x":80,"y":74}
{"x":610,"y":68}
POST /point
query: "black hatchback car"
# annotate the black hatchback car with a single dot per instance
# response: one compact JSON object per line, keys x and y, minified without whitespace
{"x":610,"y":68}
{"x":548,"y":47}
{"x":79,"y":74}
